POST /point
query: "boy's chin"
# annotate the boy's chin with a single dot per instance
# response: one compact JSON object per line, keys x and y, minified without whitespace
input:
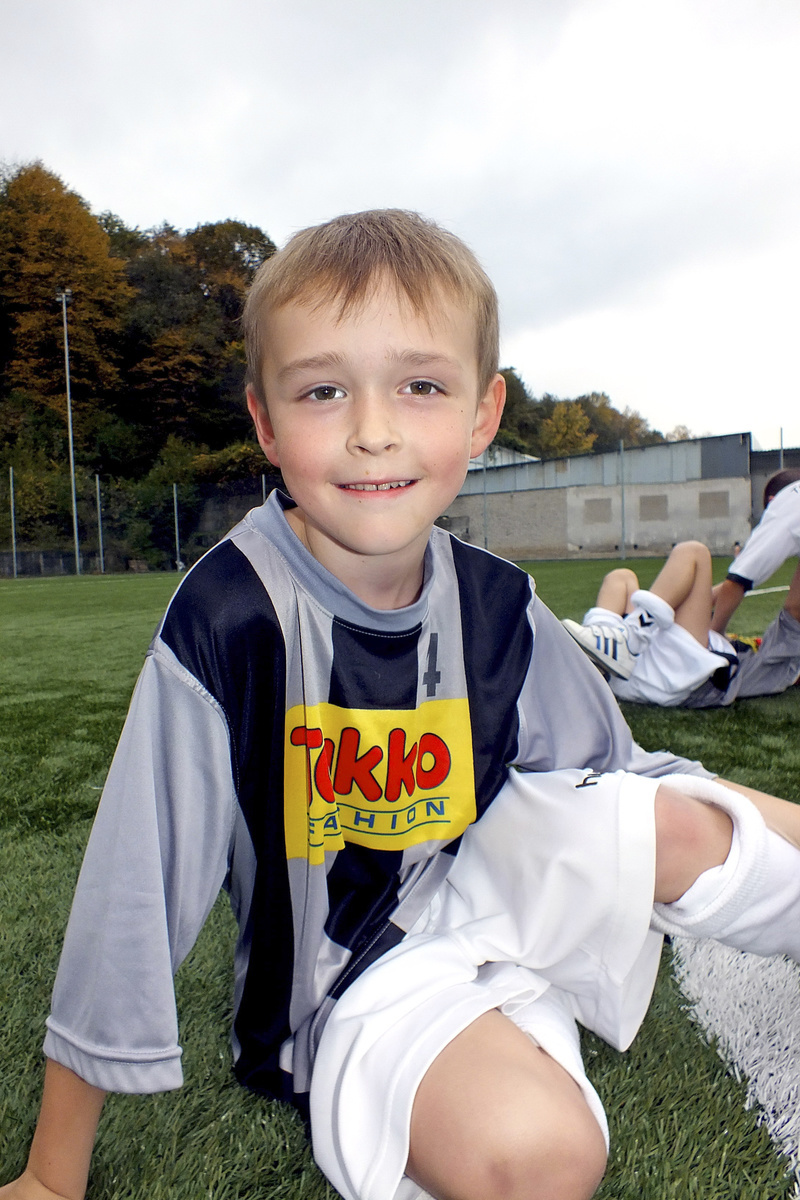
{"x":406,"y":545}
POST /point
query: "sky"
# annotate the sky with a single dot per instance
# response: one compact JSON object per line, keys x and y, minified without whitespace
{"x":628,"y":171}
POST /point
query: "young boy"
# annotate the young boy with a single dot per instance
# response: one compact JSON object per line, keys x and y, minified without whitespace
{"x":775,"y":538}
{"x":666,"y":645}
{"x":325,"y":725}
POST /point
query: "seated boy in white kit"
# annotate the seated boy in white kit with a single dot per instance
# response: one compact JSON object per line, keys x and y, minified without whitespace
{"x":326,"y":725}
{"x":666,"y":645}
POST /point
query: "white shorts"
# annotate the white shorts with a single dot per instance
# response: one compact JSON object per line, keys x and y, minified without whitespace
{"x":670,"y":668}
{"x":545,"y":915}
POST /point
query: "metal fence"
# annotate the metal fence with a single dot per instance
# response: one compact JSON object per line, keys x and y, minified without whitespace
{"x":116,"y":526}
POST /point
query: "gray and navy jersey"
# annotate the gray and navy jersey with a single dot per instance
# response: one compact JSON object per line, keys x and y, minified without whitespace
{"x":319,"y":759}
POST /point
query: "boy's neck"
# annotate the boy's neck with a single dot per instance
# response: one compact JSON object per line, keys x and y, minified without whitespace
{"x":370,"y":578}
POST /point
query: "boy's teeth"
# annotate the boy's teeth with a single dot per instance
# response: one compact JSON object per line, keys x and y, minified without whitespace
{"x":377,"y":487}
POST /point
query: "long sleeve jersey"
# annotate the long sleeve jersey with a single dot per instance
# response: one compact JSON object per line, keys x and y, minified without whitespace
{"x":320,"y":760}
{"x":775,"y":538}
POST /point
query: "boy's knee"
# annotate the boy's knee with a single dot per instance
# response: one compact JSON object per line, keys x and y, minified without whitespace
{"x":623,"y":575}
{"x":691,"y":549}
{"x":691,"y":837}
{"x":562,"y":1159}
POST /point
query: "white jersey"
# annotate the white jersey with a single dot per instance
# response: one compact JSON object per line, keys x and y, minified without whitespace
{"x":775,"y":538}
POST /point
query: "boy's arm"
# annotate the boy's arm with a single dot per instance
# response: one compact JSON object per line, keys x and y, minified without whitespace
{"x":781,"y":816}
{"x":727,"y":598}
{"x":58,"y":1165}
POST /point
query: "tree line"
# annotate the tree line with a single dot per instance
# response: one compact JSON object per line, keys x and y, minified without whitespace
{"x":157,"y":367}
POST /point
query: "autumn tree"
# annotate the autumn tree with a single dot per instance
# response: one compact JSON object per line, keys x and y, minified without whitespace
{"x":49,"y":240}
{"x":520,"y":420}
{"x":565,"y":431}
{"x":184,"y":353}
{"x":681,"y":433}
{"x":610,"y":426}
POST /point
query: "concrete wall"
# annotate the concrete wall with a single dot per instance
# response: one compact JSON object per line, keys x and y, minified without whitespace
{"x":518,"y":525}
{"x":564,"y":521}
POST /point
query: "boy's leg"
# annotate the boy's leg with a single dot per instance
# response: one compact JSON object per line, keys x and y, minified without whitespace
{"x":496,"y":1117}
{"x":602,"y":634}
{"x":681,"y":594}
{"x":571,"y":893}
{"x":616,"y":590}
{"x":746,"y":896}
{"x":685,"y":583}
{"x":792,"y":604}
{"x":691,"y":837}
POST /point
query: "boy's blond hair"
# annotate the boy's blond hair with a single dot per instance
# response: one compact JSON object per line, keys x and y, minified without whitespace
{"x":342,"y":260}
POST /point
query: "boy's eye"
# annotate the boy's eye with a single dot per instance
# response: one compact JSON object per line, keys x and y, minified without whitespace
{"x":326,"y":391}
{"x":422,"y":387}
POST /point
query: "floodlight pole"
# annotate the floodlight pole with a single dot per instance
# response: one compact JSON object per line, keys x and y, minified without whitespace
{"x":178,"y":563}
{"x":100,"y":525}
{"x":13,"y":521}
{"x":622,"y":496}
{"x":64,"y":295}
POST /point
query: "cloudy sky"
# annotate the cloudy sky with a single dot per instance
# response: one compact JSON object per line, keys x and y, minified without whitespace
{"x":627,"y":170}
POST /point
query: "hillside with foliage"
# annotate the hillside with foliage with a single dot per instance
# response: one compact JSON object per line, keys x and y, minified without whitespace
{"x":156,"y":363}
{"x":552,"y":428}
{"x":157,"y":370}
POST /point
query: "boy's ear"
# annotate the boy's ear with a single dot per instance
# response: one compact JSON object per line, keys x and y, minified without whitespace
{"x":487,"y":418}
{"x":263,"y":425}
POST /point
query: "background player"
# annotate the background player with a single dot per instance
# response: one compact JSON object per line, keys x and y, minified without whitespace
{"x":775,"y":538}
{"x":660,"y":646}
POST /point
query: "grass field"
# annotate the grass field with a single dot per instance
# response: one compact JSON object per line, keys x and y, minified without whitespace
{"x":70,"y":650}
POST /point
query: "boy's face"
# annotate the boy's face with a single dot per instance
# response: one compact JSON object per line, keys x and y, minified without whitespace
{"x":372,"y":420}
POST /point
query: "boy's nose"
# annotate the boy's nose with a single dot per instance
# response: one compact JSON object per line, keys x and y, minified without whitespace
{"x":373,"y":429}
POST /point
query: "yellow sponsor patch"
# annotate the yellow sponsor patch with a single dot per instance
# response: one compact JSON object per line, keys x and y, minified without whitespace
{"x":383,"y":779}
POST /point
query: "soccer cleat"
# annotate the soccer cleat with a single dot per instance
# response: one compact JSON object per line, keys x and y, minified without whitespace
{"x":606,"y":645}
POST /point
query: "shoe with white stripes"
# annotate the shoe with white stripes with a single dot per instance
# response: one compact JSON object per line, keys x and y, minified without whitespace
{"x":606,"y":645}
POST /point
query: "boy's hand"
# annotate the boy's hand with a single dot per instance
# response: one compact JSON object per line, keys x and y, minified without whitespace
{"x":28,"y":1187}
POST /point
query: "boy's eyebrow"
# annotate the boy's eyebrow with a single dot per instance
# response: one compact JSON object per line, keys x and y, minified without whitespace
{"x":315,"y":362}
{"x":412,"y":358}
{"x":424,"y":358}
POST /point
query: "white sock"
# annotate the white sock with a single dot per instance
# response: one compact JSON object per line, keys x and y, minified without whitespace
{"x":602,"y":616}
{"x":655,"y":606}
{"x":650,"y":614}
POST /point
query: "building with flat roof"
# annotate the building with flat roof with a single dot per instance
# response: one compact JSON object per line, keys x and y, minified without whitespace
{"x":638,"y":502}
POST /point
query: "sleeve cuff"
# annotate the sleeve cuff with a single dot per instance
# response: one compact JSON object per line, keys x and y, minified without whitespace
{"x":109,"y":1070}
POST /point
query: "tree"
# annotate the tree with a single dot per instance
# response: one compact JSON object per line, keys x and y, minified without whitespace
{"x":49,"y":240}
{"x":565,"y":431}
{"x":183,"y":350}
{"x":122,"y":242}
{"x":610,"y":426}
{"x":229,"y":252}
{"x":679,"y":434}
{"x":518,"y":415}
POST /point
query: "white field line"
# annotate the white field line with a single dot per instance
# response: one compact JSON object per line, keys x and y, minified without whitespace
{"x":782,"y":587}
{"x":751,"y":1005}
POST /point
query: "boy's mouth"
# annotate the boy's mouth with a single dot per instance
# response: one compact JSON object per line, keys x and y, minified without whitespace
{"x":376,"y":487}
